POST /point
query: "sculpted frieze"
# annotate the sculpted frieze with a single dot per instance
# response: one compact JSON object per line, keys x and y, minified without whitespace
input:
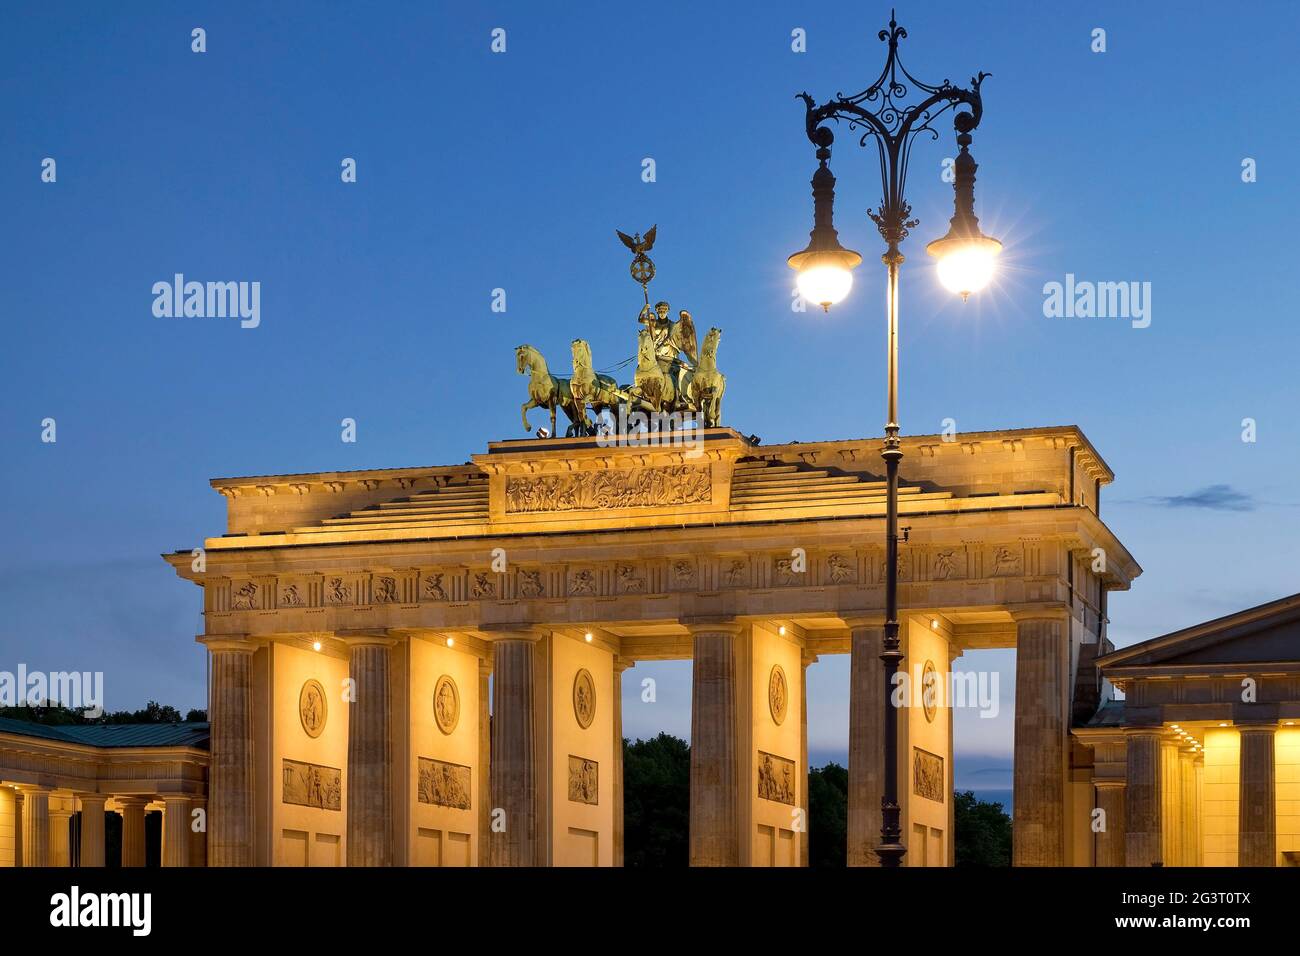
{"x":312,"y":785}
{"x":602,"y":490}
{"x":776,"y":777}
{"x":830,"y":568}
{"x":927,"y":775}
{"x":443,"y":784}
{"x":584,"y":780}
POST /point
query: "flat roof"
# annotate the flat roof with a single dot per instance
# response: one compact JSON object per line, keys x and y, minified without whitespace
{"x":113,"y":735}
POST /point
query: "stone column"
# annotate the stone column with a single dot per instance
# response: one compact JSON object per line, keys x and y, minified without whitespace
{"x":199,"y":838}
{"x":132,"y":811}
{"x":715,"y":793}
{"x":866,"y":741}
{"x":19,"y":802}
{"x":1257,"y":802}
{"x":484,"y":762}
{"x":1142,"y":805}
{"x":1171,"y":804}
{"x":514,"y":776}
{"x":1188,"y":852}
{"x":1110,"y":841}
{"x":620,"y":666}
{"x":176,"y":831}
{"x":60,"y":835}
{"x":1042,"y":694}
{"x":230,"y":791}
{"x":36,"y":826}
{"x":370,"y":752}
{"x":804,"y":660}
{"x":1200,"y":808}
{"x":92,"y":829}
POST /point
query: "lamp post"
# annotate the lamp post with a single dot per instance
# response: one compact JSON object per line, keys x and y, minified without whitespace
{"x":965,"y":264}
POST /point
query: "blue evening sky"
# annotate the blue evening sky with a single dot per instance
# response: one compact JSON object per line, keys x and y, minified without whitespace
{"x":479,"y":170}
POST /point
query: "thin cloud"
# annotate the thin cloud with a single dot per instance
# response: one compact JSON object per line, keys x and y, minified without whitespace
{"x":1211,"y":498}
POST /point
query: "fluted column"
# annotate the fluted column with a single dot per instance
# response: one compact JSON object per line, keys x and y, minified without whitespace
{"x":1142,"y":808}
{"x":61,"y":835}
{"x":230,"y":790}
{"x":370,"y":752}
{"x":92,"y":829}
{"x":132,"y":811}
{"x":715,"y":793}
{"x":1042,"y":695}
{"x":866,"y":741}
{"x":198,"y":838}
{"x":1110,"y":841}
{"x":1199,"y":767}
{"x":1257,"y":802}
{"x":804,"y":660}
{"x":514,"y":776}
{"x":1188,"y":851}
{"x":176,"y":831}
{"x":484,"y":762}
{"x":36,"y":826}
{"x":19,"y":803}
{"x":620,"y":666}
{"x":1171,"y":805}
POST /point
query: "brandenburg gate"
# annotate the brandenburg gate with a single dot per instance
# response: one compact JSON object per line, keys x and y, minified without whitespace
{"x":424,"y":666}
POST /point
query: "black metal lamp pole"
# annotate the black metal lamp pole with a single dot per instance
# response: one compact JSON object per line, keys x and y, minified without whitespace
{"x":823,"y":267}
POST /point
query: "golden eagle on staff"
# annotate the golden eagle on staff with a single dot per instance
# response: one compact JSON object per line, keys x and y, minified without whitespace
{"x":637,"y":244}
{"x":642,"y":269}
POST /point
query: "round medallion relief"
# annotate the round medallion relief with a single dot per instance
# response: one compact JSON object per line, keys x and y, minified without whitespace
{"x":446,"y":704}
{"x":584,"y":698}
{"x":312,"y":708}
{"x":929,"y":690}
{"x":778,"y":694}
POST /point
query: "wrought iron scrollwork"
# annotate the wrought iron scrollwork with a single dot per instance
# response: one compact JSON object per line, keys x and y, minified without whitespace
{"x":881,"y":114}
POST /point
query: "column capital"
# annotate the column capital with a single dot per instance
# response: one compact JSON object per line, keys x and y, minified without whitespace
{"x":711,"y":624}
{"x":26,"y":788}
{"x":513,"y":632}
{"x":1255,"y":728}
{"x":858,"y":620}
{"x":1053,"y":613}
{"x":236,"y":643}
{"x":131,"y":802}
{"x":1150,"y":730}
{"x":366,"y":637}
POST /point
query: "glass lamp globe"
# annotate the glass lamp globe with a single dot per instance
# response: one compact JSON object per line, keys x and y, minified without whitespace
{"x":825,"y":275}
{"x":965,"y":264}
{"x":825,"y":282}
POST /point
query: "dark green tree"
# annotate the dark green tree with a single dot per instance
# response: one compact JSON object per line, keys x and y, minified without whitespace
{"x":983,"y":832}
{"x":656,"y":802}
{"x":828,"y":808}
{"x":57,"y":715}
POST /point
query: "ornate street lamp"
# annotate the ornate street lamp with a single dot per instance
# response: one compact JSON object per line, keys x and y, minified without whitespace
{"x":965,"y":265}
